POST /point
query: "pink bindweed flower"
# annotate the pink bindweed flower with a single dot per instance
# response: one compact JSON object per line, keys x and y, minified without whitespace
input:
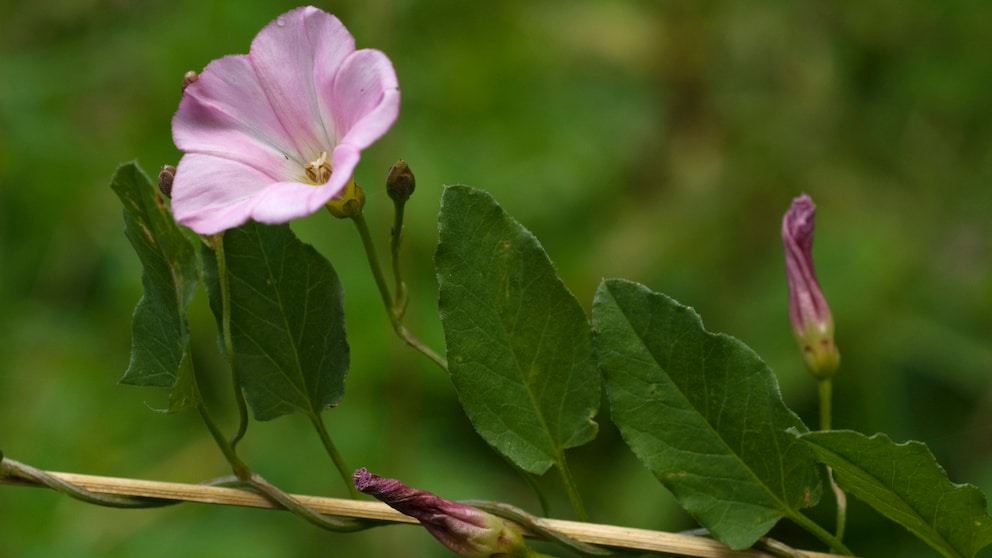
{"x":465,"y":530}
{"x":275,"y":134}
{"x":811,"y":319}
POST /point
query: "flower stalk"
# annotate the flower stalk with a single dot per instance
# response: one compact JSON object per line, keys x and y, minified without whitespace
{"x":400,"y":184}
{"x":395,"y":308}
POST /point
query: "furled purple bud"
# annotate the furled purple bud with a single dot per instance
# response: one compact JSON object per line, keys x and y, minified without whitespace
{"x":811,"y":319}
{"x":465,"y":530}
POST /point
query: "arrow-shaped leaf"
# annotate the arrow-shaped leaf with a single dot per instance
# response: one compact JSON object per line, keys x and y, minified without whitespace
{"x":287,"y":320}
{"x":519,"y":345}
{"x":906,"y":484}
{"x":703,"y":413}
{"x":170,"y":276}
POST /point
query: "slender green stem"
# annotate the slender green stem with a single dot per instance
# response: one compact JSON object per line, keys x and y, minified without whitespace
{"x":395,"y":318}
{"x":778,"y":548}
{"x":370,"y":255}
{"x":227,"y":448}
{"x":819,"y":532}
{"x":240,"y":469}
{"x":225,"y":296}
{"x":28,"y":475}
{"x":541,"y":498}
{"x":325,"y":438}
{"x":826,"y":403}
{"x":246,"y":476}
{"x":412,"y":341}
{"x":826,"y":393}
{"x":572,"y":490}
{"x":337,"y":524}
{"x":841,"y":499}
{"x":399,"y":304}
{"x":536,"y":526}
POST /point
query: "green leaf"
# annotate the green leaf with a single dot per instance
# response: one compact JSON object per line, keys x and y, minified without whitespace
{"x":703,"y":413}
{"x":906,"y":484}
{"x":170,"y":276}
{"x":519,"y":345}
{"x":287,"y":320}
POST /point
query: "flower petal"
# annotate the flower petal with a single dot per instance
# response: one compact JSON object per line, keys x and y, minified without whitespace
{"x":211,"y":193}
{"x":365,"y":98}
{"x":226,"y":113}
{"x":285,"y":201}
{"x":344,"y":159}
{"x":284,"y":55}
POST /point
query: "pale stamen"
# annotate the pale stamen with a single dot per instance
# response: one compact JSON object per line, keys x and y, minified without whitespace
{"x":319,"y":170}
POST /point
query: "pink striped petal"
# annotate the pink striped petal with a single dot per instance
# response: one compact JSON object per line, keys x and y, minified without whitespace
{"x":226,"y":113}
{"x":285,"y":54}
{"x":211,"y":194}
{"x":365,"y":99}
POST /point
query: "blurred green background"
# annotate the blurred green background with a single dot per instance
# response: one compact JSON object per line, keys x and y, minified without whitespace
{"x":658,"y":141}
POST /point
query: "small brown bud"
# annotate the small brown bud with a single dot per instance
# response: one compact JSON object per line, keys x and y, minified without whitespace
{"x":400,"y":182}
{"x":165,"y":178}
{"x":190,"y":78}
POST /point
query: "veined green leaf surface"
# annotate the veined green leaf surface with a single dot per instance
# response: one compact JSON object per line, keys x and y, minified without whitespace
{"x":170,"y":276}
{"x":287,"y":320}
{"x":906,"y":484}
{"x":518,"y":342}
{"x":703,"y":413}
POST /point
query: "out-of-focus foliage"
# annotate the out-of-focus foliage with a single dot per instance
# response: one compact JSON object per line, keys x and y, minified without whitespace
{"x":659,"y":141}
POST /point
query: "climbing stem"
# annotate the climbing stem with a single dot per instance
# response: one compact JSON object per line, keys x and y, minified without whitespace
{"x":325,"y":439}
{"x":226,"y":447}
{"x":225,"y":297}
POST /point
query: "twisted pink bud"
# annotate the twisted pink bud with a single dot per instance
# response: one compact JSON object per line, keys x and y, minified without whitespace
{"x":811,"y":319}
{"x":465,"y":530}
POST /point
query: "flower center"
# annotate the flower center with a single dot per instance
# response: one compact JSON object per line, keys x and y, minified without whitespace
{"x":319,"y":170}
